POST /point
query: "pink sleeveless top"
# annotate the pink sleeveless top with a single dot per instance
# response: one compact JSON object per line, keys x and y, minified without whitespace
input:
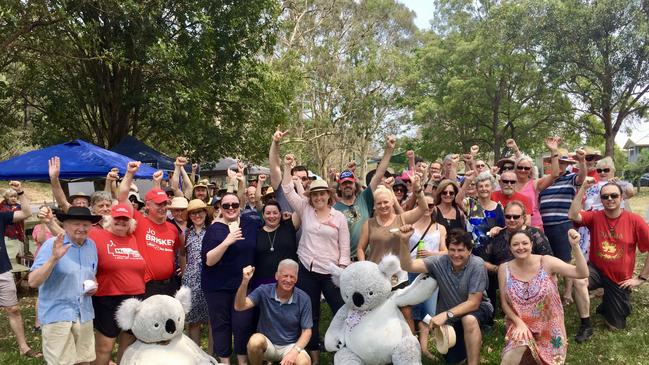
{"x":529,"y":191}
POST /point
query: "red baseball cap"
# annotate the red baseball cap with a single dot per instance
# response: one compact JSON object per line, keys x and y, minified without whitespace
{"x":156,"y":195}
{"x":346,"y":176}
{"x":121,"y":210}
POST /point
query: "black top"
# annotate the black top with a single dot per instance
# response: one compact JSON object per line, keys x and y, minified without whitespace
{"x":450,"y":224}
{"x":497,"y":251}
{"x":284,"y":246}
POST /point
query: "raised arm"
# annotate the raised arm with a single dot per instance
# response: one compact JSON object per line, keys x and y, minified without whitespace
{"x":407,"y":263}
{"x":411,"y":216}
{"x":157,"y":179}
{"x":577,"y":271}
{"x":511,"y":144}
{"x":259,"y":205}
{"x":54,"y":169}
{"x":580,"y":156}
{"x":241,"y":183}
{"x":577,"y":203}
{"x":37,"y":277}
{"x":274,"y":160}
{"x":25,"y":210}
{"x":241,"y":301}
{"x":390,"y":143}
{"x":297,"y":202}
{"x":125,"y":186}
{"x":188,"y":183}
{"x":552,"y":143}
{"x":47,"y":219}
{"x":469,"y":176}
{"x":111,"y":182}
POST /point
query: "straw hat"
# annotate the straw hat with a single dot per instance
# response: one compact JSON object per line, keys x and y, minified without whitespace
{"x":178,"y":203}
{"x":444,"y":338}
{"x":564,"y":156}
{"x":590,"y":151}
{"x":318,"y":185}
{"x":197,"y":204}
{"x":269,"y":191}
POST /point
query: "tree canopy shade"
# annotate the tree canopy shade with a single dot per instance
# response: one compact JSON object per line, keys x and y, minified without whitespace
{"x":186,"y":72}
{"x":79,"y":160}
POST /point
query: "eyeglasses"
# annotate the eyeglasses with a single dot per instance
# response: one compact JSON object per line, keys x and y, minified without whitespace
{"x":513,"y":216}
{"x":448,"y":193}
{"x":590,"y":157}
{"x":228,"y":206}
{"x":480,"y":165}
{"x":609,"y":196}
{"x":507,"y":168}
{"x":606,"y":170}
{"x":508,"y":182}
{"x":526,"y":168}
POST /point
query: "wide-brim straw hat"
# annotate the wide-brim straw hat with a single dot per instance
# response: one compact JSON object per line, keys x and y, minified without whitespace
{"x":197,"y":204}
{"x":178,"y":203}
{"x":505,"y":160}
{"x":80,"y":194}
{"x":318,"y":185}
{"x":444,"y":338}
{"x":564,"y":156}
{"x":590,"y":151}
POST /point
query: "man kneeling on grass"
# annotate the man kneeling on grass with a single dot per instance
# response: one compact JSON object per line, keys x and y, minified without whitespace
{"x":284,"y":326}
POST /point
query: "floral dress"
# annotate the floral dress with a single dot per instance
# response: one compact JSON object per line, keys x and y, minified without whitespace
{"x":538,"y":304}
{"x":192,"y":276}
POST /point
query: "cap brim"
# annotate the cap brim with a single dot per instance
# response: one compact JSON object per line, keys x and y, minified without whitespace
{"x":158,"y":199}
{"x":346,"y":179}
{"x":90,"y":218}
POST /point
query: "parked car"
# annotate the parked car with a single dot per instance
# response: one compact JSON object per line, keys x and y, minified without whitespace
{"x":644,"y":179}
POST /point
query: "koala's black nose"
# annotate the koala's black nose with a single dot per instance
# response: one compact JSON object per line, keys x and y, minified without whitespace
{"x":170,"y":326}
{"x":358,"y":299}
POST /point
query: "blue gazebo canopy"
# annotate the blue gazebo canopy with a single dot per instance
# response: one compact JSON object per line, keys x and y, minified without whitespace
{"x":79,"y":160}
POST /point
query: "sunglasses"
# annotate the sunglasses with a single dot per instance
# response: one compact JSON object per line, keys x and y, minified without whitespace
{"x":508,"y":182}
{"x":526,"y":168}
{"x":507,"y":168}
{"x":609,"y":196}
{"x":590,"y":158}
{"x":513,"y":216}
{"x":228,"y":206}
{"x":352,"y":211}
{"x":480,"y":166}
{"x":606,"y":170}
{"x":431,"y":206}
{"x":448,"y":193}
{"x":399,"y":190}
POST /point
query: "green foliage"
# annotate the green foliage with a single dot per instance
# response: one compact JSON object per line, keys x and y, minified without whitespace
{"x":640,"y":166}
{"x":476,"y":82}
{"x":183,"y":72}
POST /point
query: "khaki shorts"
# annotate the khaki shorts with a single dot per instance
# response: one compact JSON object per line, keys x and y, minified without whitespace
{"x":67,"y":343}
{"x":277,"y":353}
{"x":8,"y":296}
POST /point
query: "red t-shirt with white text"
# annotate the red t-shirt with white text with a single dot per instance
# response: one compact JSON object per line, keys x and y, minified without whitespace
{"x":613,"y":242}
{"x":120,"y":267}
{"x":158,"y":244}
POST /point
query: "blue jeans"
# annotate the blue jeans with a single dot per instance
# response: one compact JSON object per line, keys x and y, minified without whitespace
{"x":558,"y":236}
{"x":428,"y":306}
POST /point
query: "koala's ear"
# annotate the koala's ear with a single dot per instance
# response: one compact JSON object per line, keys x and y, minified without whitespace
{"x":389,"y":265}
{"x":335,"y":274}
{"x":126,"y":313}
{"x":184,"y":296}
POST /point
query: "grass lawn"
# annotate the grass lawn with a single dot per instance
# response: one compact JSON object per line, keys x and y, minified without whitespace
{"x":627,"y":347}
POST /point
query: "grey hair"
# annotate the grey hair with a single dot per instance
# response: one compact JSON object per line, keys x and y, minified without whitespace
{"x":9,"y":192}
{"x":534,"y":173}
{"x":290,"y":263}
{"x":98,"y":196}
{"x":606,"y":161}
{"x":108,"y":221}
{"x":484,"y":176}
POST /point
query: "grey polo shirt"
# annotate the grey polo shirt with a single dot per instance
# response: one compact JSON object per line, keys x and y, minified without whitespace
{"x":455,"y":287}
{"x":281,"y":323}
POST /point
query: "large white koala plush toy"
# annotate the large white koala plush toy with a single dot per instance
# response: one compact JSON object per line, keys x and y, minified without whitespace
{"x":157,"y":322}
{"x":370,"y":329}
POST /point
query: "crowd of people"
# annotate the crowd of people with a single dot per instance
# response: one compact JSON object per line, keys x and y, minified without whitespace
{"x":256,"y":254}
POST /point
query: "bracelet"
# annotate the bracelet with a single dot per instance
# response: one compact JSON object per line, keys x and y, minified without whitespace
{"x":642,"y":278}
{"x":21,"y":193}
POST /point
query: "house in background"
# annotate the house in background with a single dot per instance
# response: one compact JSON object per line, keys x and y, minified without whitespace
{"x":634,"y":148}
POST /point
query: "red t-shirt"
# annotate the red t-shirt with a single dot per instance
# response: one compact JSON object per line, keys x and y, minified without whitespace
{"x":614,"y":253}
{"x":158,"y":244}
{"x":503,"y":199}
{"x":120,"y":267}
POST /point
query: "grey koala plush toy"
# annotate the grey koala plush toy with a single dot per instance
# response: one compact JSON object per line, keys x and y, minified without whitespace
{"x":158,"y":322}
{"x":369,"y":328}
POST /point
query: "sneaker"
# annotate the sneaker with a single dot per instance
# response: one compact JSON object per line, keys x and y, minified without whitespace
{"x":584,"y":334}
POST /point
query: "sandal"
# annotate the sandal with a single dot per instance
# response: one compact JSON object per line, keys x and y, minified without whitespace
{"x":32,"y":354}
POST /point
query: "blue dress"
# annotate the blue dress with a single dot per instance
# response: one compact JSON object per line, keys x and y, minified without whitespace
{"x":192,"y":276}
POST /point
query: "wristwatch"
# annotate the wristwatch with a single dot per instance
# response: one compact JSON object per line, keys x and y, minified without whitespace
{"x":450,"y":315}
{"x":642,"y":278}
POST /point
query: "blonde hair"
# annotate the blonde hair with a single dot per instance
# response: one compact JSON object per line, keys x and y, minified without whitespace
{"x":382,"y":189}
{"x":534,"y":172}
{"x":108,"y":220}
{"x":9,"y":193}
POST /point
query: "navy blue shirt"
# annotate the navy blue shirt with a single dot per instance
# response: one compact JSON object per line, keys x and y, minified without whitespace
{"x":226,"y":274}
{"x":6,"y":218}
{"x":281,"y":323}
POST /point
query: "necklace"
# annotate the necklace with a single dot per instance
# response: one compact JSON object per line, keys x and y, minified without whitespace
{"x":272,"y":240}
{"x":611,"y":228}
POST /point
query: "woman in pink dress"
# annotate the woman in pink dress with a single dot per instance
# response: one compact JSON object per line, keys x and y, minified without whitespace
{"x":534,"y":315}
